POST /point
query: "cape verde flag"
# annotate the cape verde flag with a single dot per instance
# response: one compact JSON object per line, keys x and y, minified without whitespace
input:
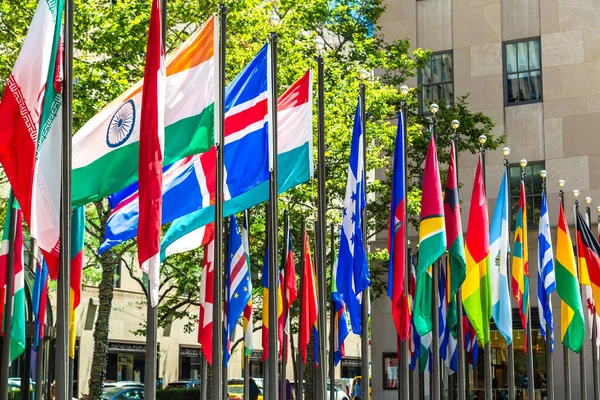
{"x":189,"y":184}
{"x":238,"y":289}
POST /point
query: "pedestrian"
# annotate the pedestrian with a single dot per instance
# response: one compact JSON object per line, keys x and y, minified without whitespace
{"x":357,"y":390}
{"x":254,"y":390}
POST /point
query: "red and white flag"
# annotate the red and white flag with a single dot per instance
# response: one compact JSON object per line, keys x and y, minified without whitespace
{"x":205,"y":320}
{"x":152,"y":134}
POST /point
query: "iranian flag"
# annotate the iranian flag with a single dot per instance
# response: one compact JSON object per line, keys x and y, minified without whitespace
{"x":105,"y":149}
{"x":17,"y":333}
{"x":30,"y":129}
{"x":152,"y":132}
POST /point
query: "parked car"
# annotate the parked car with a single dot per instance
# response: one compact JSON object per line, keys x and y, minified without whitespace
{"x":123,"y":384}
{"x":235,"y":389}
{"x":344,"y":384}
{"x":191,"y":384}
{"x":123,"y":393}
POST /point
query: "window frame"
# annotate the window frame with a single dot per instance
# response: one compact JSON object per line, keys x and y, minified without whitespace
{"x":422,"y":109}
{"x":505,"y":71}
{"x":528,"y":197}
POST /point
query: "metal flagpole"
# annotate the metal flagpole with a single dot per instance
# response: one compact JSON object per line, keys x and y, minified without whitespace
{"x":566,"y":354}
{"x":460,"y":340}
{"x":321,"y":221}
{"x":226,"y":251}
{"x":8,"y":305}
{"x":62,"y":321}
{"x":511,"y":351}
{"x":246,"y":365}
{"x":217,"y":340}
{"x":364,"y":342}
{"x":332,"y":317}
{"x":271,"y":392}
{"x":549,"y":353}
{"x":403,"y":361}
{"x":435,"y":274}
{"x":203,"y":378}
{"x":582,"y":371}
{"x":596,"y":380}
{"x":300,"y":382}
{"x":284,"y":352}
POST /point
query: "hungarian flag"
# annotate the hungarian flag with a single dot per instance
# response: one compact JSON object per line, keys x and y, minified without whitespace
{"x":17,"y":321}
{"x":432,"y":239}
{"x":31,"y":129}
{"x":572,"y":324}
{"x":520,"y":264}
{"x":476,"y":293}
{"x":152,"y":132}
{"x":309,"y":301}
{"x":397,"y":238}
{"x":77,"y":239}
{"x":588,"y":251}
{"x":205,"y":319}
{"x":248,"y":324}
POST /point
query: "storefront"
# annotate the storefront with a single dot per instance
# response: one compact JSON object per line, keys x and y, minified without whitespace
{"x":351,"y":367}
{"x":125,"y":362}
{"x":190,"y":363}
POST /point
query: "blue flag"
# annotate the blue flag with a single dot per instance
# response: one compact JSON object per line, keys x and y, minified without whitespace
{"x":353,"y":269}
{"x":341,"y":322}
{"x":448,"y":343}
{"x":238,"y":289}
{"x":499,"y":249}
{"x":546,"y":277}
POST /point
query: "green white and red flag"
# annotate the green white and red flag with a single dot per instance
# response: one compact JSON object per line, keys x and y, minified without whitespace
{"x":30,"y":128}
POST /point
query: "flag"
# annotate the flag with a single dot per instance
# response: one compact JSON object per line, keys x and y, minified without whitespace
{"x":248,"y":323}
{"x":17,"y":321}
{"x":470,"y":340}
{"x":309,"y":301}
{"x":266,"y":310}
{"x":38,"y":305}
{"x":572,"y":325}
{"x":425,"y":353}
{"x":77,"y":239}
{"x":340,"y":327}
{"x":520,"y":264}
{"x":205,"y":321}
{"x":448,"y":342}
{"x":397,"y":238}
{"x":238,"y":289}
{"x":476,"y":288}
{"x":499,"y":249}
{"x":31,"y":129}
{"x":414,"y":343}
{"x":432,"y":239}
{"x":588,"y":253}
{"x":288,"y":288}
{"x":353,"y":269}
{"x":106,"y":148}
{"x":546,"y":277}
{"x":189,"y":184}
{"x":294,"y":121}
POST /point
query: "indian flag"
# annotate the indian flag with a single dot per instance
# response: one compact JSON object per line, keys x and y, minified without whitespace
{"x":105,"y":150}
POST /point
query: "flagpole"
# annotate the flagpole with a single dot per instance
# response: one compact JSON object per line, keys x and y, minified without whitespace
{"x":549,"y":352}
{"x":321,"y":221}
{"x":566,"y":359}
{"x":246,"y":364}
{"x":435,"y":276}
{"x":286,"y":249}
{"x":364,"y":342}
{"x":511,"y":351}
{"x":596,"y":380}
{"x":300,"y":382}
{"x":217,"y":340}
{"x":272,"y":359}
{"x":404,"y":375}
{"x":8,"y":305}
{"x":332,"y":317}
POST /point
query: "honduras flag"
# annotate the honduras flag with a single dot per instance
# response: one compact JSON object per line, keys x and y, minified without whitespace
{"x":546,"y":278}
{"x":352,"y":273}
{"x":188,"y":184}
{"x":238,"y":289}
{"x":499,"y":249}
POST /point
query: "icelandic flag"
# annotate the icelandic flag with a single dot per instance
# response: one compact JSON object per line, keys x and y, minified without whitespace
{"x":499,"y":249}
{"x":353,"y":269}
{"x":447,"y":341}
{"x":546,"y":277}
{"x":189,"y":184}
{"x":238,"y":289}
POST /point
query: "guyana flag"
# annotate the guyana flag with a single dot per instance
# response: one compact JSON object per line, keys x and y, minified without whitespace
{"x":572,"y":325}
{"x":476,"y":289}
{"x":432,"y":239}
{"x":520,"y":263}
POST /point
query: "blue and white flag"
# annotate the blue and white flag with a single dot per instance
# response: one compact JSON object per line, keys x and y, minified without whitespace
{"x":189,"y":184}
{"x":499,"y":249}
{"x":238,"y":288}
{"x":546,"y":278}
{"x":448,"y":349}
{"x":352,"y":275}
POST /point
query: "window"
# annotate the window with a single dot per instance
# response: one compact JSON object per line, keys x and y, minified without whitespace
{"x":390,"y":371}
{"x":533,"y":192}
{"x":436,"y":81}
{"x":522,"y":72}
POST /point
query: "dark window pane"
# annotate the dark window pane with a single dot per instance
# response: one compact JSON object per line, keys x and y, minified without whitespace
{"x":535,"y":79}
{"x":522,"y":58}
{"x":511,"y":58}
{"x":426,"y":74}
{"x":426,"y":96}
{"x":512,"y":87}
{"x":534,"y":54}
{"x":524,"y":87}
{"x":537,"y":179}
{"x":447,"y":75}
{"x":436,"y":69}
{"x":448,"y":94}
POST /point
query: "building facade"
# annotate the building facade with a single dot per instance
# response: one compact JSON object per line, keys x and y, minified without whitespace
{"x":532,"y":66}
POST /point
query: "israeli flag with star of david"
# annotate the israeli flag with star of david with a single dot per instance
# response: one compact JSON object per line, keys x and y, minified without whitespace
{"x":352,"y":273}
